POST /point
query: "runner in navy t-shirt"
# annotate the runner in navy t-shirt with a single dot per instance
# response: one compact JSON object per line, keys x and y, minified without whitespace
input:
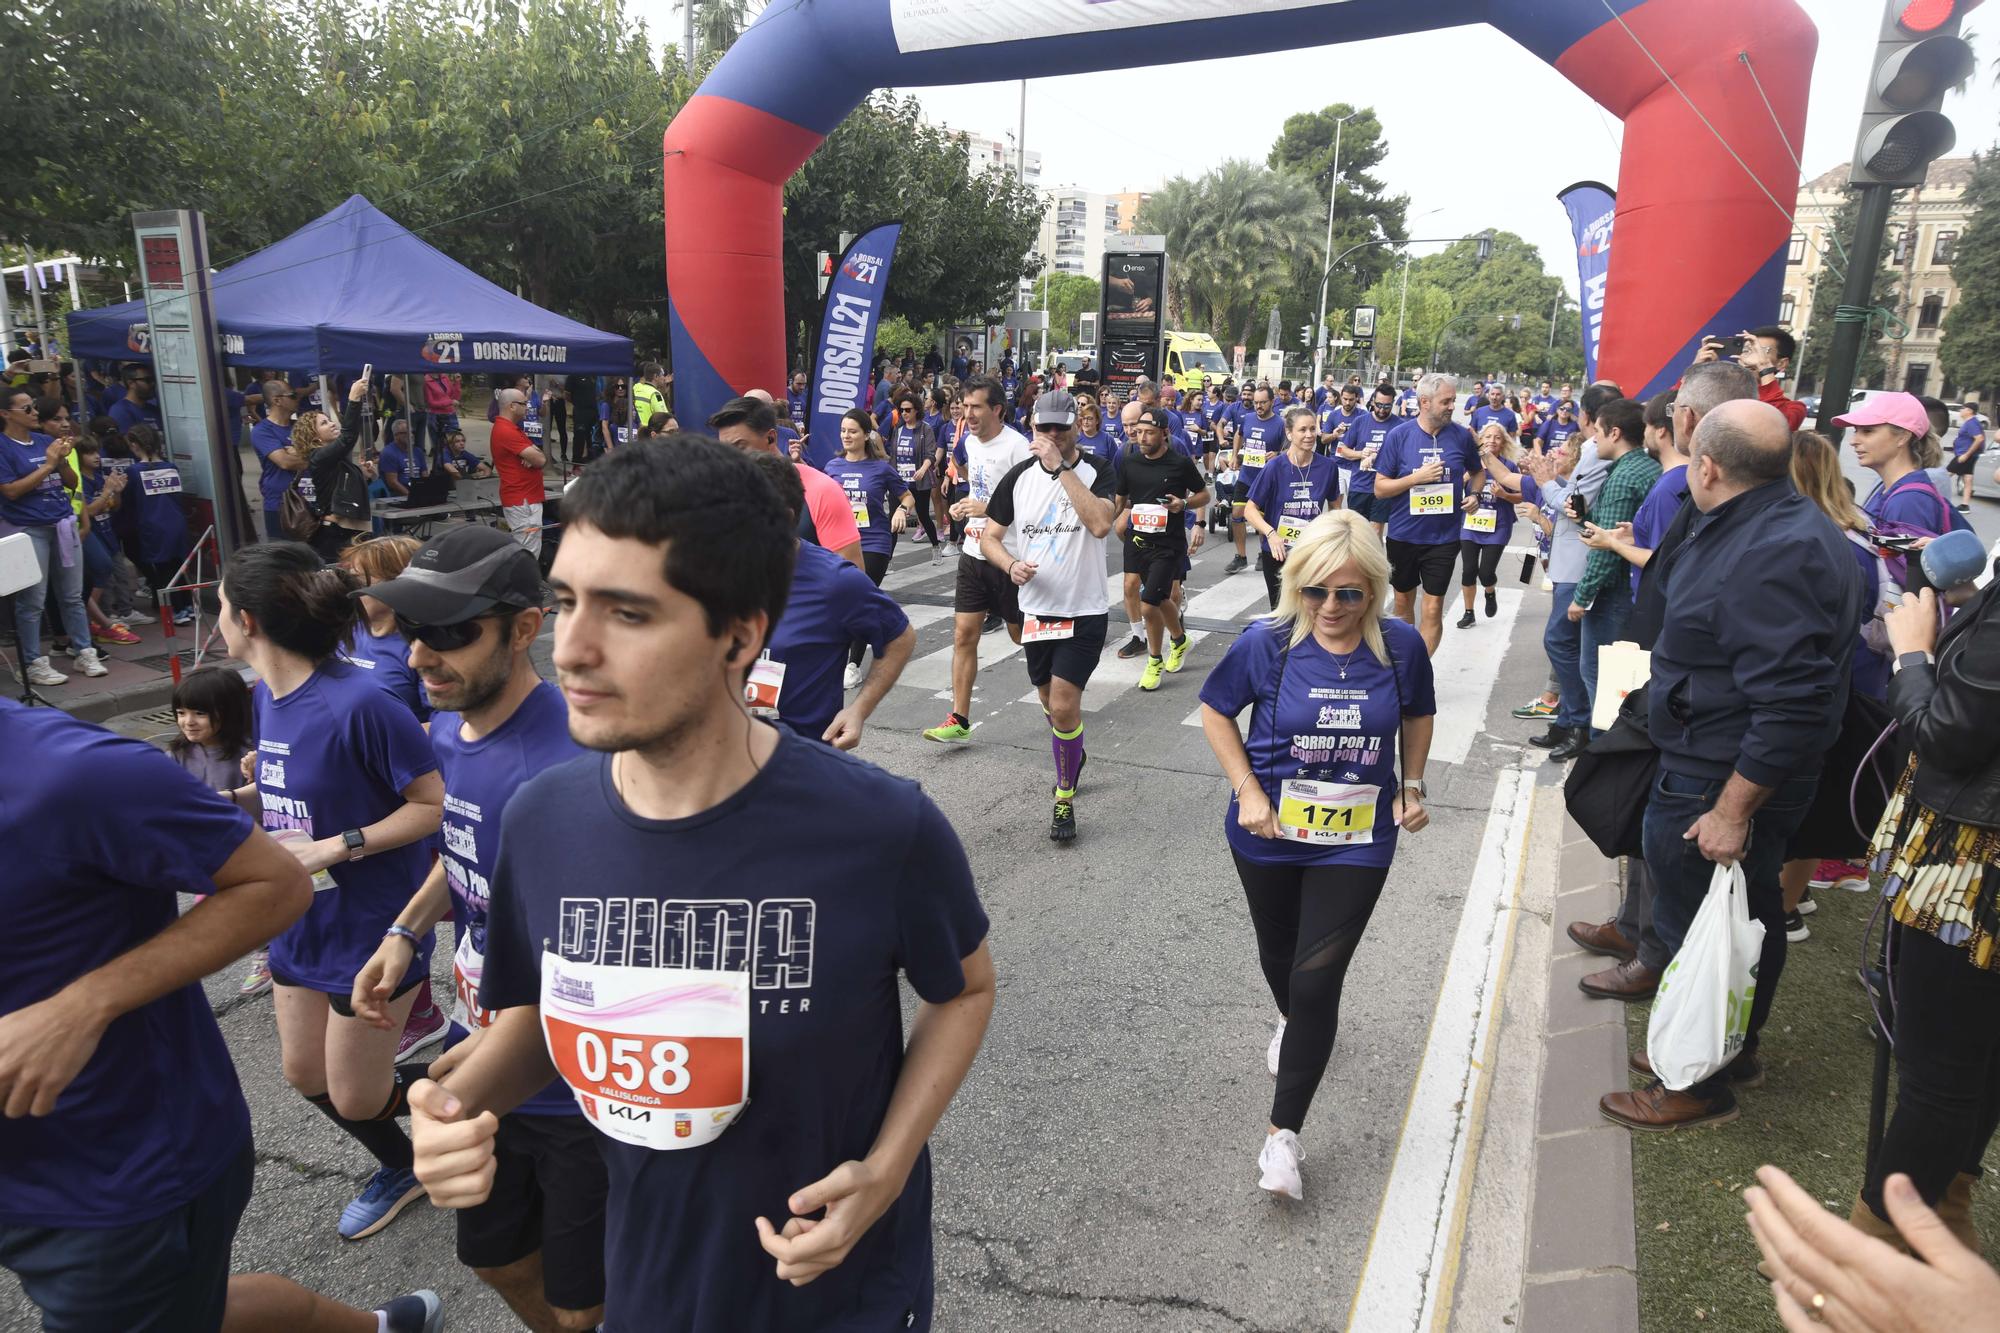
{"x":1421,"y":479}
{"x":472,"y":607}
{"x":733,"y":1027}
{"x":127,"y":1153}
{"x":345,"y":777}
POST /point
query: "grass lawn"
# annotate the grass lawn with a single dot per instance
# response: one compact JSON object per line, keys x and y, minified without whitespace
{"x":1697,"y":1262}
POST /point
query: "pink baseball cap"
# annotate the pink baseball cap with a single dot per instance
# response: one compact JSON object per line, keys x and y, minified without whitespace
{"x":1890,"y":409}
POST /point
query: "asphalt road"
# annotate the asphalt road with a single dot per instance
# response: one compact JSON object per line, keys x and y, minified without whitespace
{"x":1097,"y":1171}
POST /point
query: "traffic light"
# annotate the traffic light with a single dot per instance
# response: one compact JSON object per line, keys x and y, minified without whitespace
{"x":1919,"y":57}
{"x":825,"y":271}
{"x":1306,"y":335}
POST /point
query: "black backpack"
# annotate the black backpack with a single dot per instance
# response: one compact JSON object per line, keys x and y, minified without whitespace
{"x":1611,"y":781}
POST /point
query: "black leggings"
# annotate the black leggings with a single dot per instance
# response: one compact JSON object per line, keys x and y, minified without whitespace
{"x":1480,"y":561}
{"x":1947,"y":1066}
{"x":559,"y":427}
{"x":1309,"y":921}
{"x":874,"y":564}
{"x":1273,"y":573}
{"x":924,"y":515}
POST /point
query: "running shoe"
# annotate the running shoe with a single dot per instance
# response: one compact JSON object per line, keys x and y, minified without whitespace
{"x":184,"y":616}
{"x":1806,"y":905}
{"x":1149,"y":679}
{"x":418,"y":1312}
{"x":1548,"y":585}
{"x":993,"y":623}
{"x":425,"y":1027}
{"x":1133,"y":647}
{"x":114,"y":633}
{"x":1236,"y":566}
{"x":41,"y":673}
{"x":953,"y":728}
{"x":1177,"y":651}
{"x":1062,"y":828}
{"x":258,"y":979}
{"x":90,"y":664}
{"x":850,"y":677}
{"x":1795,"y":928}
{"x":1839,"y":875}
{"x":1277,"y":1044}
{"x":1492,"y":604}
{"x":134,"y":617}
{"x":1278,"y":1164}
{"x":1535,"y":710}
{"x":389,"y":1191}
{"x":1468,"y":620}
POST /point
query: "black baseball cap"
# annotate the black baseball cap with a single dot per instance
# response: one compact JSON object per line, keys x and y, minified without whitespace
{"x":468,"y":570}
{"x":1151,"y":416}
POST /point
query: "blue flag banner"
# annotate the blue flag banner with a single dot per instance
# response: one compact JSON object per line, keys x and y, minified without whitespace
{"x":1590,"y":206}
{"x":847,"y":325}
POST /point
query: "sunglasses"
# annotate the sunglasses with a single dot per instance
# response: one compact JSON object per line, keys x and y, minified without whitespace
{"x":1313,"y":594}
{"x":442,"y":638}
{"x":1049,"y":428}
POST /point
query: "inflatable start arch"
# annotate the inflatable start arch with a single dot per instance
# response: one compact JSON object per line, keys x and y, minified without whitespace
{"x":1701,"y":248}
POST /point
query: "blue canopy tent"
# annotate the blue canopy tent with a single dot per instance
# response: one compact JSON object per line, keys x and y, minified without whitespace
{"x":355,"y":288}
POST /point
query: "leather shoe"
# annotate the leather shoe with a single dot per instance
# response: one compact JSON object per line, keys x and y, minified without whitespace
{"x":1578,"y":742}
{"x":1602,"y":937}
{"x":1658,"y":1107}
{"x":1550,"y":739}
{"x":1630,"y":980}
{"x":1745,"y":1071}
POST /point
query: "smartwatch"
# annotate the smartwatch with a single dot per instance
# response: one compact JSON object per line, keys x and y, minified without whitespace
{"x":355,"y":842}
{"x":1417,"y":785}
{"x":1911,"y":660}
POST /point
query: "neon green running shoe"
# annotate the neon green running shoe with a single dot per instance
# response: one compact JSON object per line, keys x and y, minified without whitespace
{"x":1177,"y":651}
{"x":953,"y":728}
{"x":1149,"y":679}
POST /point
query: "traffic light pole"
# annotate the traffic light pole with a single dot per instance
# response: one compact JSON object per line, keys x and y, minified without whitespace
{"x":1864,"y":258}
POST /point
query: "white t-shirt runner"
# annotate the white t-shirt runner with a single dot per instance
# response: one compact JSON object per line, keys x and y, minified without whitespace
{"x":1044,"y":529}
{"x":985,"y":464}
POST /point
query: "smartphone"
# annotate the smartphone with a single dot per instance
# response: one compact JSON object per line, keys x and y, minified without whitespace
{"x":1727,"y":348}
{"x":368,"y":372}
{"x":1527,"y":567}
{"x":1578,"y":508}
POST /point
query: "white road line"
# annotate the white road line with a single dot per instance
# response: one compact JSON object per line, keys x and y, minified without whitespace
{"x":923,"y":614}
{"x":1224,"y":600}
{"x":1115,"y":675}
{"x":902,"y":575}
{"x":932,"y":671}
{"x":1403,"y":1280}
{"x":1465,"y":668}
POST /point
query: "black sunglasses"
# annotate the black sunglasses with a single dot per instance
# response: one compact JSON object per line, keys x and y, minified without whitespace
{"x":442,"y":638}
{"x":1315,"y":594}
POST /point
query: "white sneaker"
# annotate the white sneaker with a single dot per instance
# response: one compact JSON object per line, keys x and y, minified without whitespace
{"x":90,"y":664}
{"x":852,"y":676}
{"x":1278,"y":1162}
{"x":1277,"y":1042}
{"x":41,"y":673}
{"x":134,"y":617}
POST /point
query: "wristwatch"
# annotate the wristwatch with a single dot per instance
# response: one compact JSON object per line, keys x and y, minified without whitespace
{"x":1416,"y":785}
{"x":355,"y":842}
{"x":1910,"y":660}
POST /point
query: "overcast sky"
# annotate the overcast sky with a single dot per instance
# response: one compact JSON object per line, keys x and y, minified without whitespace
{"x":1541,"y":132}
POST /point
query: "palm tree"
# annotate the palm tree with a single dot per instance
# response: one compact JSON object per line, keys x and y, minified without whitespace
{"x":718,"y":23}
{"x":1237,"y":239}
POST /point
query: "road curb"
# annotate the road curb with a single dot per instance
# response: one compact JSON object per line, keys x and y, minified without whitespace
{"x":1582,"y":1267}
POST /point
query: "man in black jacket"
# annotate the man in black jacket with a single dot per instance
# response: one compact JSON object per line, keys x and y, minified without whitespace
{"x":1749,"y":681}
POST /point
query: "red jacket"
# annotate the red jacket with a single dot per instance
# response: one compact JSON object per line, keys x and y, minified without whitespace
{"x":1771,"y":391}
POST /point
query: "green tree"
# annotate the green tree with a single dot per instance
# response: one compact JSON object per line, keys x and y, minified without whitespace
{"x":1970,"y":352}
{"x":717,"y":25}
{"x":1067,"y":295}
{"x":1239,"y":237}
{"x":1500,"y":319}
{"x":1364,"y":210}
{"x":965,"y":233}
{"x":1826,"y":298}
{"x":1422,"y":317}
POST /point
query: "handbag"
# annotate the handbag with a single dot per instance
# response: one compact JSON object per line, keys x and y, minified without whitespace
{"x":296,"y":515}
{"x":1701,"y":1013}
{"x":1611,"y":781}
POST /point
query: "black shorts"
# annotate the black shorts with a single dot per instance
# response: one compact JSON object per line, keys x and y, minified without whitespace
{"x":342,"y":1002}
{"x":1157,"y":564}
{"x":1073,"y":658}
{"x":1362,"y":504}
{"x":548,"y":1195}
{"x":1962,"y":465}
{"x":983,"y":589}
{"x":1411,"y":563}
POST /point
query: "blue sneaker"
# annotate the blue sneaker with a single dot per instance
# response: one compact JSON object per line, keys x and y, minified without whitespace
{"x":390,"y":1190}
{"x":418,"y":1312}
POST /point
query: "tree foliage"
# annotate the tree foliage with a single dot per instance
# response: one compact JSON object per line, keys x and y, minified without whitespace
{"x":1831,"y":278}
{"x":1066,"y":295}
{"x":1970,"y":352}
{"x":965,"y":233}
{"x":1237,"y":240}
{"x":1501,"y":311}
{"x":1364,"y":210}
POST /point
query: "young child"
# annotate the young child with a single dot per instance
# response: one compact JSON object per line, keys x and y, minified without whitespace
{"x":212,"y":709}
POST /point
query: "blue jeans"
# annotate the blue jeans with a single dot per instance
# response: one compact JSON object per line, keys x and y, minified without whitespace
{"x":68,"y":585}
{"x":1680,"y":875}
{"x":1602,"y":624}
{"x":1561,"y":640}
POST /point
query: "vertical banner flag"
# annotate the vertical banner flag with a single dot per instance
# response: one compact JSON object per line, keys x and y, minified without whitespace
{"x":1590,"y":208}
{"x":847,"y":324}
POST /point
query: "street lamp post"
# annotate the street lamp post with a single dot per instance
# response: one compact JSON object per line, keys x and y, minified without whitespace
{"x":1326,"y":273}
{"x":1402,"y":304}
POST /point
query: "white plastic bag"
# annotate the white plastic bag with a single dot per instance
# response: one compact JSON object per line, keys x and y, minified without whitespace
{"x":1701,"y":1012}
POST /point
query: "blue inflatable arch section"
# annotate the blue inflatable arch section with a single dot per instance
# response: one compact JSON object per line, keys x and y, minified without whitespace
{"x":1700,"y":246}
